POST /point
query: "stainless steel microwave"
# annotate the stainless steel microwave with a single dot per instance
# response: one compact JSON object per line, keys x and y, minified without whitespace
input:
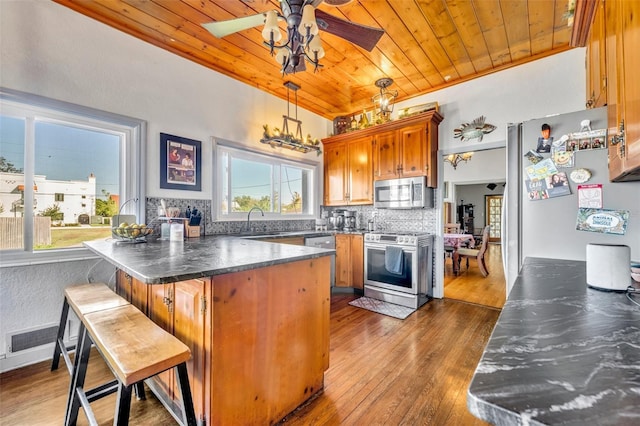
{"x":405,"y":193}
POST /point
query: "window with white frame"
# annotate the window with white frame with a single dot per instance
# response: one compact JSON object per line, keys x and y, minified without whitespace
{"x":281,"y":188}
{"x":60,"y":162}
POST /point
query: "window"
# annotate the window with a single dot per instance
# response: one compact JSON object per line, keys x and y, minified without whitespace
{"x":63,"y":165}
{"x":280,"y":188}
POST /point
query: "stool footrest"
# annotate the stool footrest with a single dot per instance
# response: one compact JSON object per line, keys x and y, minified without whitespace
{"x":102,"y":391}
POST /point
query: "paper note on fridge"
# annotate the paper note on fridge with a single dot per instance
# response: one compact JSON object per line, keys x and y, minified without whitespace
{"x":602,"y":220}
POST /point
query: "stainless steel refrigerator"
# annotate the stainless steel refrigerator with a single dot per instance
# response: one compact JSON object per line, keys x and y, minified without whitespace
{"x":540,"y":224}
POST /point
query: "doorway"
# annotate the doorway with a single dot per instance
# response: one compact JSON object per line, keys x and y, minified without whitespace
{"x":476,"y":186}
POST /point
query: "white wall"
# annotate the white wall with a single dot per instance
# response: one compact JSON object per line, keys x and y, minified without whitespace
{"x":552,"y":85}
{"x":51,"y":51}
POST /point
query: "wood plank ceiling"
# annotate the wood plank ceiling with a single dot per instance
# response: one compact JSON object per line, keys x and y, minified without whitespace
{"x":427,"y":45}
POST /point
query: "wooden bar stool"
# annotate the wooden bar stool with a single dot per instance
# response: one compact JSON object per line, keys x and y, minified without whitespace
{"x":134,"y":348}
{"x":83,"y":299}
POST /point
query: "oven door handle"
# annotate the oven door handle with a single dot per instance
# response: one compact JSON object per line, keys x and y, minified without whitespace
{"x":382,"y":246}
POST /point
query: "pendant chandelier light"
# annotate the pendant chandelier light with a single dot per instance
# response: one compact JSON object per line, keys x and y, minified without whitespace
{"x":285,"y":138}
{"x":303,"y":40}
{"x":454,"y":159}
{"x":383,"y":101}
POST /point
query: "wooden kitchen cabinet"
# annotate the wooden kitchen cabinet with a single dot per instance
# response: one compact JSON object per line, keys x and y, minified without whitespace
{"x":259,"y":341}
{"x":350,"y":260}
{"x":406,"y":147}
{"x":348,"y":172}
{"x":622,"y":28}
{"x":132,"y":290}
{"x":403,"y":153}
{"x":614,"y":37}
{"x":596,"y":60}
{"x":181,"y":309}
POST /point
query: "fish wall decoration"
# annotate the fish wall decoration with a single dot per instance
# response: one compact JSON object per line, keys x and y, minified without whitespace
{"x":474,"y":130}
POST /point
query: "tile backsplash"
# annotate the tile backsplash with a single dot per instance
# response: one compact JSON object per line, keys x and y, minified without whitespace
{"x":409,"y":220}
{"x":210,"y":227}
{"x":413,"y":220}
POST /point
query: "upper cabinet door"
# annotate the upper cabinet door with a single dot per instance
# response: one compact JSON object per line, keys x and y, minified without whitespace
{"x":623,"y":38}
{"x":335,"y":174}
{"x":413,"y":150}
{"x":596,"y":64}
{"x":360,"y":171}
{"x":386,"y":162}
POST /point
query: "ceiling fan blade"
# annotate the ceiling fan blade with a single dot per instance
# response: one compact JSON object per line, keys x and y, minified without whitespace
{"x":362,"y":35}
{"x":224,"y":28}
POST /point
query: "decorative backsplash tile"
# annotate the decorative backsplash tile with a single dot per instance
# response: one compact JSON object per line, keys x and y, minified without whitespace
{"x":210,"y":227}
{"x":411,"y":220}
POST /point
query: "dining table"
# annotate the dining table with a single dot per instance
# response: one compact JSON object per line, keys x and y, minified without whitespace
{"x":456,"y":241}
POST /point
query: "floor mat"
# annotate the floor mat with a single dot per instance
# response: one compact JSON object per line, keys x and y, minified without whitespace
{"x":381,"y":307}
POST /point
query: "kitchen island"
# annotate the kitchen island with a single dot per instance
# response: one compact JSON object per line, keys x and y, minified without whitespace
{"x":560,"y":353}
{"x":254,"y":314}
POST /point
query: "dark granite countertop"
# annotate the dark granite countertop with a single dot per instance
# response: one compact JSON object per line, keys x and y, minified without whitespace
{"x":157,"y":262}
{"x":560,"y":353}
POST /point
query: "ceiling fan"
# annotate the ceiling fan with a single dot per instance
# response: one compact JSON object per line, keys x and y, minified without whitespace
{"x":303,"y":40}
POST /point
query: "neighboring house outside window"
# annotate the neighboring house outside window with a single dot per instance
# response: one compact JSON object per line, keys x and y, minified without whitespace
{"x":60,"y":163}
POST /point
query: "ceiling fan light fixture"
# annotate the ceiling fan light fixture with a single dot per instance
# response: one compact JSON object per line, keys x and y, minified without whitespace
{"x":282,"y":57}
{"x":308,"y":23}
{"x":271,"y":31}
{"x":315,"y":47}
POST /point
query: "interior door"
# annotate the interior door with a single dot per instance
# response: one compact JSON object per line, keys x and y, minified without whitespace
{"x":493,"y":215}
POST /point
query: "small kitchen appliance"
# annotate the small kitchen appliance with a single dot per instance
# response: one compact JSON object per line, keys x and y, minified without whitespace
{"x":608,"y":266}
{"x":349,"y":220}
{"x":398,"y":267}
{"x":337,"y":220}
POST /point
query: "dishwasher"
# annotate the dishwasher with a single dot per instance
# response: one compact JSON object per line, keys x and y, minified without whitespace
{"x":325,"y":242}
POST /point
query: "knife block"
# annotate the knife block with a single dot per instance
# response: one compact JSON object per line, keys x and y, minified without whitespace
{"x":191,"y":231}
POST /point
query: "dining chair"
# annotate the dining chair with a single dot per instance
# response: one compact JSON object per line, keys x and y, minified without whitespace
{"x":478,"y":254}
{"x":451,"y":228}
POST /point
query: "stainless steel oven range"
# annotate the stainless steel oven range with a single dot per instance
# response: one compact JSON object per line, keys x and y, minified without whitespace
{"x":398,"y":267}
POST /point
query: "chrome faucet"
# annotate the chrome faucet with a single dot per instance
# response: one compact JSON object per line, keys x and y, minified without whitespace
{"x":249,"y":216}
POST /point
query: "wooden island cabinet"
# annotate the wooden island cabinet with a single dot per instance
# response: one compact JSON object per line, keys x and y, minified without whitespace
{"x":255,"y":316}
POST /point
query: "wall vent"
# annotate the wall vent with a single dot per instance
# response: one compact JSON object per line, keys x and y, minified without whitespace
{"x":31,"y":339}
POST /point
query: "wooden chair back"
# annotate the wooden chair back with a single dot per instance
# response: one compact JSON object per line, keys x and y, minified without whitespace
{"x":485,"y":242}
{"x":451,"y":228}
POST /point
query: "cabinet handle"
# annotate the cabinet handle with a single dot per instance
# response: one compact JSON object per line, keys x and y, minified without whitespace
{"x":619,"y":139}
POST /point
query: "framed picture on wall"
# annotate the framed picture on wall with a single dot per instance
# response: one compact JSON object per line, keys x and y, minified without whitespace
{"x":180,"y":163}
{"x":445,"y":191}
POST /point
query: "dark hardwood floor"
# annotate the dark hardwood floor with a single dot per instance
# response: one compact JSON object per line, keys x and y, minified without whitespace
{"x":470,"y":286}
{"x":383,"y":371}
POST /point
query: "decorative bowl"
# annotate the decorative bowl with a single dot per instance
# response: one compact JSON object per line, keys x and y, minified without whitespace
{"x":131,"y":232}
